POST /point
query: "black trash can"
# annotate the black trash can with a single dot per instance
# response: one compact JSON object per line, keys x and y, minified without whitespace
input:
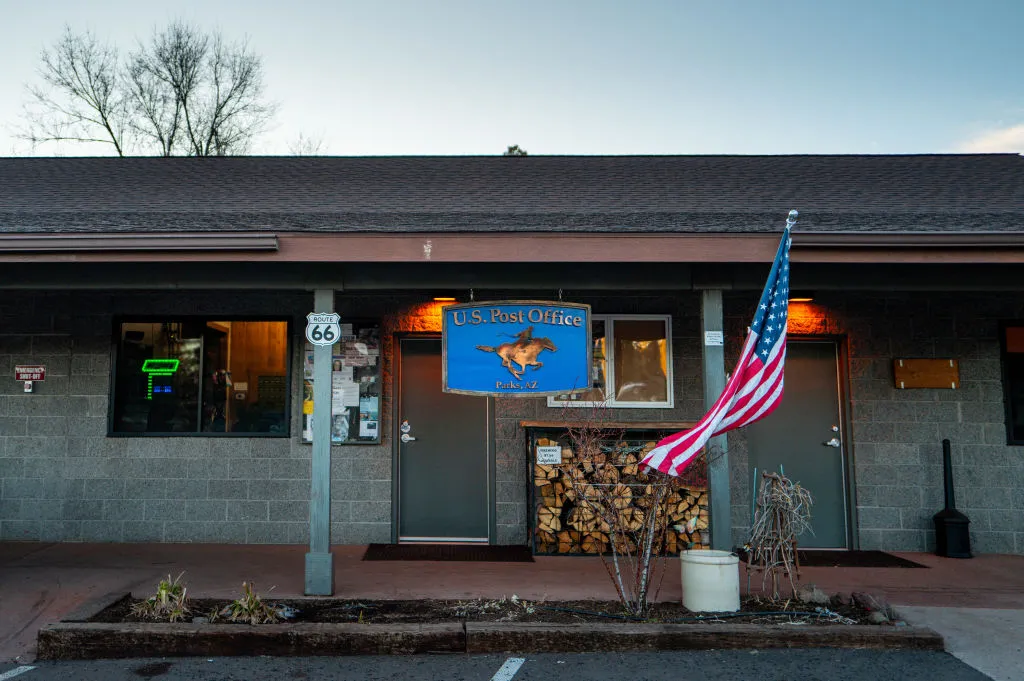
{"x":952,"y":536}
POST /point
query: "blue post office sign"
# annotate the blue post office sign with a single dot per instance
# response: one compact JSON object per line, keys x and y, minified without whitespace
{"x":516,"y":348}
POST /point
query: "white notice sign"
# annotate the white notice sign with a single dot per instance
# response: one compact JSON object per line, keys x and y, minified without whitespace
{"x":551,"y":456}
{"x":713,"y":338}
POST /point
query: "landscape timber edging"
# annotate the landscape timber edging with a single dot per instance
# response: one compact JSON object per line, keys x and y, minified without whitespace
{"x":499,"y":637}
{"x":91,"y":641}
{"x":79,"y":640}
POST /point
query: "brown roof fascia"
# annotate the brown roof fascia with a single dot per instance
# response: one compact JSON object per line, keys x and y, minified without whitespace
{"x":909,"y":240}
{"x":534,"y":247}
{"x":121,"y":243}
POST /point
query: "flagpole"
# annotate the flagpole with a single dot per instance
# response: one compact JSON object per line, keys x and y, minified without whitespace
{"x":754,"y":390}
{"x":712,"y":319}
{"x":717,"y":448}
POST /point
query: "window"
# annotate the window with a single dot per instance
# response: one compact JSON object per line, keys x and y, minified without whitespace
{"x":632,"y":363}
{"x":1013,"y":382}
{"x":355,"y":386}
{"x":201,"y":377}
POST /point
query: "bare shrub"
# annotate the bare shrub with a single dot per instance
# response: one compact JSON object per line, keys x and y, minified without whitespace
{"x":783,"y":514}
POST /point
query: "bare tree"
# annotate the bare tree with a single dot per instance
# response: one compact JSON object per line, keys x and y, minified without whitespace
{"x":185,"y":92}
{"x":312,"y":145}
{"x":623,"y":514}
{"x":81,"y":99}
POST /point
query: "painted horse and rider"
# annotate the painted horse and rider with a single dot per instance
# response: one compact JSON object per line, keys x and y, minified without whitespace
{"x":523,"y":351}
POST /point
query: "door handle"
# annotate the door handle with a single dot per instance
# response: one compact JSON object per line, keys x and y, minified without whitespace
{"x":834,"y":442}
{"x":409,"y":438}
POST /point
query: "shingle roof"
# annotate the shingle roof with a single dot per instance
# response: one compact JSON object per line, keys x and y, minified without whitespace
{"x":536,"y":193}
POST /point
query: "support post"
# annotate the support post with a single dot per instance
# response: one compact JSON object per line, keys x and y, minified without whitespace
{"x":713,"y":345}
{"x":319,"y":560}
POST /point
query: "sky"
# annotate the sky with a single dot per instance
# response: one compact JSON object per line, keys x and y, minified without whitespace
{"x":471,"y":77}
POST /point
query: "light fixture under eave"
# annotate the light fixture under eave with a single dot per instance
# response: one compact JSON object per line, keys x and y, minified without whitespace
{"x":444,"y":299}
{"x":801,"y":296}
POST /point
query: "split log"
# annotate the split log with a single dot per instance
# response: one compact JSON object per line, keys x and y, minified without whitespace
{"x":606,"y":474}
{"x":543,"y":472}
{"x":568,"y":542}
{"x":671,"y":542}
{"x":624,"y":545}
{"x":594,"y":542}
{"x":582,"y":518}
{"x":631,"y":518}
{"x":546,"y":542}
{"x":621,"y":496}
{"x":546,"y":494}
{"x":629,"y":465}
{"x":558,"y":492}
{"x":549,"y":519}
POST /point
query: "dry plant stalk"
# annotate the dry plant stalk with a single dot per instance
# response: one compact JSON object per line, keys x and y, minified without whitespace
{"x":631,"y":517}
{"x":783,"y":514}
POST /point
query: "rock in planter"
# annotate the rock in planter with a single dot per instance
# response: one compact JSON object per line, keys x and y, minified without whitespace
{"x":877,"y":617}
{"x":873,"y":604}
{"x":812,"y":594}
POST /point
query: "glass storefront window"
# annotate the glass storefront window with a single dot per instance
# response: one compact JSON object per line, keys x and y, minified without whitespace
{"x":199,"y":376}
{"x":1013,"y":382}
{"x":641,"y":360}
{"x":632,"y":363}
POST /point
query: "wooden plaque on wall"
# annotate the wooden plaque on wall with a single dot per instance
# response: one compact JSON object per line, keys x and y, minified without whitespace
{"x":927,"y":373}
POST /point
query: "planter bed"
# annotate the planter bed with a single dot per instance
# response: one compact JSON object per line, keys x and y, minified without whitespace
{"x":106,"y":629}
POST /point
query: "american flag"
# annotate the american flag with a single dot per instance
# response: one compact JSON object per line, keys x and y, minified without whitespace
{"x":755,"y":388}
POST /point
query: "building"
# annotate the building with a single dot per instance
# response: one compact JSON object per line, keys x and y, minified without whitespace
{"x":211,"y":265}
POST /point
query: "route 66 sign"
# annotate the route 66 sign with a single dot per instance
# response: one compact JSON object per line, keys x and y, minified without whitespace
{"x":322,"y":328}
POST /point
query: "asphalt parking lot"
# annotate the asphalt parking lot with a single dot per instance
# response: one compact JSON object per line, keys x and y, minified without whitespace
{"x":762,"y":665}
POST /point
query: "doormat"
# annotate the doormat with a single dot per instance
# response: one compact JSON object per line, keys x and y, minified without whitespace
{"x":857,"y":559}
{"x":466,"y":552}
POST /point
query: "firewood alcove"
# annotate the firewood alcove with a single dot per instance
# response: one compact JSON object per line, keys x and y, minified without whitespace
{"x":561,"y":524}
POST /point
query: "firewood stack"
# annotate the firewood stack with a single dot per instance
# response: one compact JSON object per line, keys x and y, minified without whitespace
{"x":565,"y":524}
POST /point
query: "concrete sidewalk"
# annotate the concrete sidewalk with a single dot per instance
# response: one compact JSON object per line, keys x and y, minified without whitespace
{"x":40,"y":583}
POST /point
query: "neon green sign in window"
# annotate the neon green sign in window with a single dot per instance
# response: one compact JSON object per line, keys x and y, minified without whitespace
{"x":158,"y":367}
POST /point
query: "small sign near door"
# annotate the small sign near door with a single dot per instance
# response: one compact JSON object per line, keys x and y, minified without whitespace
{"x":30,"y":373}
{"x":516,"y":348}
{"x":549,"y":456}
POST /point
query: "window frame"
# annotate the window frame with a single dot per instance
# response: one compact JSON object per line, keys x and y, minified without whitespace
{"x":1005,"y":381}
{"x":115,"y":342}
{"x":609,"y":333}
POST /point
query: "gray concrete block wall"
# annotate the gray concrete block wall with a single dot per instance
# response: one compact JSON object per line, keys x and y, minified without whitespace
{"x":63,"y":479}
{"x":895,"y":443}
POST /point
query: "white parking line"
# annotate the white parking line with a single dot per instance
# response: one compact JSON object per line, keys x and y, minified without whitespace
{"x":18,"y":671}
{"x":507,"y":671}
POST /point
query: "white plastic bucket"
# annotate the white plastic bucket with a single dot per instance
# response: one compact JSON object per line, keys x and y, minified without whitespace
{"x":711,"y":580}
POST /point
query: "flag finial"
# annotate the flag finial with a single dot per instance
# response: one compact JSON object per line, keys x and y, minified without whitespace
{"x":791,"y":220}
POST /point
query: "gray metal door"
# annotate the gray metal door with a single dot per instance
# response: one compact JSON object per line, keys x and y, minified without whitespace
{"x":443,"y":456}
{"x":805,"y":437}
